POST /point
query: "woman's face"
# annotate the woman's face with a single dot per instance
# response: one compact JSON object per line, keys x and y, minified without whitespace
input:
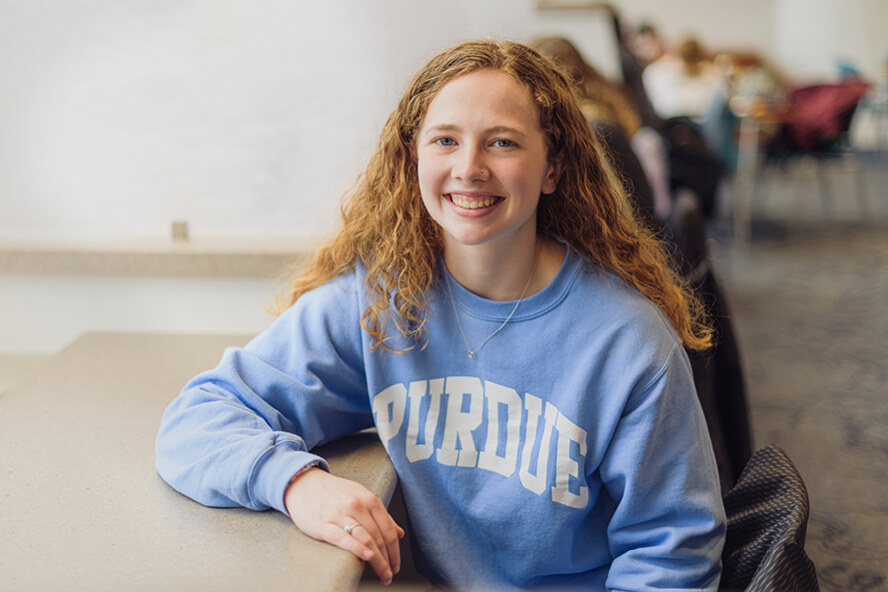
{"x":483,"y":160}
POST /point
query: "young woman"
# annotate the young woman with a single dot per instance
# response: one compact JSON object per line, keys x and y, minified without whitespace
{"x":493,"y":308}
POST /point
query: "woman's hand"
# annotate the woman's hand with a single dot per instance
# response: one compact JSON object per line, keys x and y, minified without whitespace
{"x":322,"y":506}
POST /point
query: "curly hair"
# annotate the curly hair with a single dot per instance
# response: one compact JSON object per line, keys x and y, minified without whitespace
{"x":387,"y":229}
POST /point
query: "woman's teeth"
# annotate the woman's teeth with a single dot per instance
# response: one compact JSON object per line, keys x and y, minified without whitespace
{"x":473,"y":204}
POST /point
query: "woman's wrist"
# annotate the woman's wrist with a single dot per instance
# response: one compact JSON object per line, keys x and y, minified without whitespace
{"x":312,"y":465}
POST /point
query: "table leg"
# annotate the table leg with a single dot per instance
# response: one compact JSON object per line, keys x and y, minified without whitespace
{"x":744,"y":178}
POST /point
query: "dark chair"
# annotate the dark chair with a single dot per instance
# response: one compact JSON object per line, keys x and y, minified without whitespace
{"x":767,"y":514}
{"x":718,"y":374}
{"x":627,"y":167}
{"x":692,"y":162}
{"x":818,"y":131}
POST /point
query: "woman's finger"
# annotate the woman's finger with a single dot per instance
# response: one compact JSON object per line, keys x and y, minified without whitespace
{"x":366,"y":532}
{"x":369,"y":512}
{"x":390,"y":534}
{"x":363,"y":546}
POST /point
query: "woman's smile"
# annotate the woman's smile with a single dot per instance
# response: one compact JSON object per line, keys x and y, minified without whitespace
{"x":476,"y":202}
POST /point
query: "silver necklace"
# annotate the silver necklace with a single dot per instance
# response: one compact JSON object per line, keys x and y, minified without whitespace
{"x":471,"y":351}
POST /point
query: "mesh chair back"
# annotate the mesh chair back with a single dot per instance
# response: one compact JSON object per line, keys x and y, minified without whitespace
{"x":767,"y":514}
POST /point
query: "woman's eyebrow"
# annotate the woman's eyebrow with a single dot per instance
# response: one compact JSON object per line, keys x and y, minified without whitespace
{"x":504,"y":129}
{"x":497,"y":129}
{"x":442,"y":127}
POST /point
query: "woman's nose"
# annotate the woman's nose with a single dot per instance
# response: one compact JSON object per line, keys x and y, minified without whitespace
{"x":471,"y":166}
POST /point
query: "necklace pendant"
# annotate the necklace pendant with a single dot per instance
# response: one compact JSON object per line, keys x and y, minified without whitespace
{"x":536,"y":257}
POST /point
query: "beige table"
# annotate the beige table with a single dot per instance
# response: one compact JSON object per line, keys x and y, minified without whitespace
{"x":82,"y":508}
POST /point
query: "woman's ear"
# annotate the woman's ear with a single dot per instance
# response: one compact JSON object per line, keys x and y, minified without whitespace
{"x":411,"y":149}
{"x":553,"y":174}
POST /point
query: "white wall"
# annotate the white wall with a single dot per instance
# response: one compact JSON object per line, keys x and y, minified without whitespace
{"x":241,"y":117}
{"x":855,"y":31}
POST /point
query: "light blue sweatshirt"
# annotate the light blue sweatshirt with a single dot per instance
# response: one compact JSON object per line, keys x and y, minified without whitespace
{"x":571,"y":451}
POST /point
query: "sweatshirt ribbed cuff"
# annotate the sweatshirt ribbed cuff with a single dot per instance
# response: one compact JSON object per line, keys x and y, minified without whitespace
{"x":274,"y":471}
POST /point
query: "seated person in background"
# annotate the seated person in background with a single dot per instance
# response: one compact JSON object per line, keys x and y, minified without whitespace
{"x":605,"y":105}
{"x":492,"y":306}
{"x":684,"y":84}
{"x":690,"y":85}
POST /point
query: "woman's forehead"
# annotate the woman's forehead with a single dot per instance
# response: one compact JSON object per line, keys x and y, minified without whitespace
{"x":483,"y":93}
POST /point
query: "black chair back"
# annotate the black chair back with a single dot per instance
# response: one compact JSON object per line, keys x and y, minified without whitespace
{"x":767,"y":521}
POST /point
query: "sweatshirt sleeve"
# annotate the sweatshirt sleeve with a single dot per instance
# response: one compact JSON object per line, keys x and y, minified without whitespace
{"x":668,"y":529}
{"x":236,"y":434}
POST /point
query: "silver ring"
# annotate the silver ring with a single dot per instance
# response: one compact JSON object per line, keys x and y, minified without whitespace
{"x":350,"y":529}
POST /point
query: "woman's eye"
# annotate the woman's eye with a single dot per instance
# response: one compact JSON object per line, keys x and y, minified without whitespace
{"x":503,"y":143}
{"x":445,"y":142}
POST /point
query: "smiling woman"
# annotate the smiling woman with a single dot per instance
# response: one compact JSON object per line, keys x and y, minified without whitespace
{"x":569,"y":439}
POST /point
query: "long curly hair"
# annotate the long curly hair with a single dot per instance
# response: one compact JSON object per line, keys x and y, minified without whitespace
{"x":387,"y":229}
